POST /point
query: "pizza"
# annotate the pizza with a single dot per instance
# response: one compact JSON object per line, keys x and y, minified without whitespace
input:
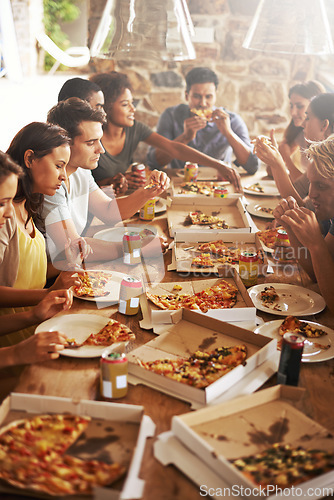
{"x":256,"y":187}
{"x":199,"y":218}
{"x":217,"y":247}
{"x":203,"y":113}
{"x":284,"y":466}
{"x":293,"y":324}
{"x":201,"y":368}
{"x":223,"y":295}
{"x":92,"y":284}
{"x":112,"y":332}
{"x":203,"y":260}
{"x":33,"y":457}
{"x":267,"y":210}
{"x":222,"y":253}
{"x":269,"y":295}
{"x":205,"y":188}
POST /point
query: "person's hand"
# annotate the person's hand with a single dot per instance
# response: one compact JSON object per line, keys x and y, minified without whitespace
{"x":119,"y":184}
{"x":39,"y":347}
{"x":192,"y":125}
{"x":304,"y":224}
{"x":266,"y":150}
{"x":54,"y":302}
{"x":157,"y":183}
{"x":284,"y":205}
{"x":231,"y":175}
{"x":76,"y":252}
{"x":222,"y":119}
{"x":134,"y":180}
{"x":65,"y":280}
{"x":153,"y":246}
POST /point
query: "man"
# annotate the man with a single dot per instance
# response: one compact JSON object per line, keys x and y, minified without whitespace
{"x":214,"y":131}
{"x":66,"y":212}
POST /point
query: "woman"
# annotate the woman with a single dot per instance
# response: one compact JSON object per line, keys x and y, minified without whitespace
{"x":293,"y":142}
{"x":302,"y":224}
{"x":318,"y":125}
{"x":52,"y":303}
{"x":122,"y":134}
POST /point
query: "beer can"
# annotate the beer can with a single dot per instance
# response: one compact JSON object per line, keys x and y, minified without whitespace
{"x":140,"y":169}
{"x":113,"y":374}
{"x":220,"y":192}
{"x":291,"y":355}
{"x":190,"y":172}
{"x":129,"y":293}
{"x":147,"y":212}
{"x":248,"y":268}
{"x":132,"y":248}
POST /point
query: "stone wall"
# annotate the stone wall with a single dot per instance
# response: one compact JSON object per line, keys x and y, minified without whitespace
{"x":253,"y":84}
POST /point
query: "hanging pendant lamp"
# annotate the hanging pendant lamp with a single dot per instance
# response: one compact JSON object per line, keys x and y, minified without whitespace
{"x":144,"y":29}
{"x":291,"y":27}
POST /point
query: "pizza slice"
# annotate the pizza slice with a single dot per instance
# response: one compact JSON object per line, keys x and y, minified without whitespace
{"x":92,"y":284}
{"x":256,"y":187}
{"x":216,"y":247}
{"x":269,"y":295}
{"x":203,"y":113}
{"x":201,"y":368}
{"x":113,"y":332}
{"x":268,"y":237}
{"x":293,"y":324}
{"x":203,"y":260}
{"x":223,"y":295}
{"x":199,"y":218}
{"x":284,"y":466}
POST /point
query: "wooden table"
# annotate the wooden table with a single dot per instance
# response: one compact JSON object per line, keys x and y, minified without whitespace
{"x":79,"y":378}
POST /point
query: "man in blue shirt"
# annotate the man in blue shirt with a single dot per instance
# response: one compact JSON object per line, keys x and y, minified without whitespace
{"x":214,"y":131}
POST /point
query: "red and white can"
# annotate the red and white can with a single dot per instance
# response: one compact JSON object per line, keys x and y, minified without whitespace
{"x":248,"y":268}
{"x":190,"y":172}
{"x":220,"y":192}
{"x":113,"y":375}
{"x":140,"y":169}
{"x":129,"y":293}
{"x":291,"y":356}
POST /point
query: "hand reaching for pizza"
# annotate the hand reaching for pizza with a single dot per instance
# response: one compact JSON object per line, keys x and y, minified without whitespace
{"x":39,"y":347}
{"x":158,"y":182}
{"x":76,"y":252}
{"x":55,"y":302}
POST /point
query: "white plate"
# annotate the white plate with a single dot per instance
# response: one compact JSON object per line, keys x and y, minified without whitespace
{"x":294,"y":300}
{"x":113,"y":287}
{"x":116,"y":234}
{"x":311,"y":353}
{"x":269,"y":188}
{"x":256,"y":209}
{"x":204,"y":174}
{"x":78,"y":327}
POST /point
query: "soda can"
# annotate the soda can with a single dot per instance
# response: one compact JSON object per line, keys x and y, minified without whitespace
{"x":129,"y":293}
{"x":291,"y":355}
{"x":220,"y":192}
{"x":248,"y":268}
{"x":147,"y":212}
{"x":132,"y":248}
{"x":283,"y":252}
{"x":113,"y":375}
{"x":140,"y":169}
{"x":190,"y":172}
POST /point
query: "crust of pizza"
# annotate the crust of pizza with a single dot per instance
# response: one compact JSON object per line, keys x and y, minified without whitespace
{"x":201,"y":368}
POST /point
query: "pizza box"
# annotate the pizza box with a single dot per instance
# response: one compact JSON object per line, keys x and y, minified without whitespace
{"x":130,"y":429}
{"x":177,"y":193}
{"x":185,"y":245}
{"x":248,"y":425}
{"x":232,"y":210}
{"x":192,"y":332}
{"x":153,"y":316}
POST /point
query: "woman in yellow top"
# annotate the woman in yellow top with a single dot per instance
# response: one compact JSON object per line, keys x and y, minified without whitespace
{"x":42,"y":150}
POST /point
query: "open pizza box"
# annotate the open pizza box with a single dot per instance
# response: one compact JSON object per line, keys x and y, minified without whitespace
{"x":177,"y":192}
{"x":243,"y":427}
{"x":120,"y":429}
{"x":231,"y":210}
{"x":156,"y":318}
{"x":194,"y":332}
{"x":185,"y":249}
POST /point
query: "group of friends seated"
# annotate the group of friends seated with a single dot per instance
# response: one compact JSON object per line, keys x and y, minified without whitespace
{"x":56,"y":175}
